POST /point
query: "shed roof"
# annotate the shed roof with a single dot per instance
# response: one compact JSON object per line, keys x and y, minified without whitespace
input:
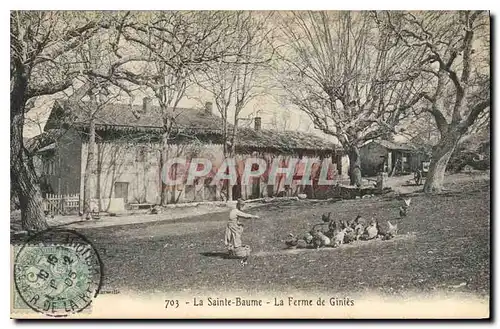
{"x":396,"y":146}
{"x":40,"y":142}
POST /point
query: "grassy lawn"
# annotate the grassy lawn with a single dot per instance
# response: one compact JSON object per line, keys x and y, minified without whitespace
{"x":444,"y":242}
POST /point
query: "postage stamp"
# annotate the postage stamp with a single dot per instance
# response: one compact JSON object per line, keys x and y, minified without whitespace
{"x":57,"y":273}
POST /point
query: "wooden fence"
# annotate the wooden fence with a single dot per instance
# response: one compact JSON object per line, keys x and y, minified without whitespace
{"x":61,"y":204}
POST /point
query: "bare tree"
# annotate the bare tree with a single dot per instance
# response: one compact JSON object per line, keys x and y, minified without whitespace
{"x":281,"y":121}
{"x":456,"y":69}
{"x":233,"y":81}
{"x":172,"y":47}
{"x":100,"y":89}
{"x":98,"y":95}
{"x":347,"y":71}
{"x":420,"y":130}
{"x":42,"y":63}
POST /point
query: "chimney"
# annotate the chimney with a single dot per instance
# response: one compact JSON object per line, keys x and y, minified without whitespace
{"x":258,"y":123}
{"x":208,"y":108}
{"x":146,"y":103}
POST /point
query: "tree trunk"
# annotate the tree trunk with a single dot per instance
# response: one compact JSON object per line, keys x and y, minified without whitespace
{"x":89,"y":170}
{"x":440,"y":157}
{"x":228,"y":153}
{"x":23,"y":177}
{"x":98,"y":179}
{"x":229,"y":182}
{"x":229,"y":192}
{"x":354,"y":166}
{"x":163,"y":161}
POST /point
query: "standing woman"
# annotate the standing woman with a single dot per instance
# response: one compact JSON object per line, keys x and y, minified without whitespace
{"x":234,"y":230}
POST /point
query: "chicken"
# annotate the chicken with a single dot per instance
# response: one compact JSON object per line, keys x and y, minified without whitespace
{"x":320,"y":240}
{"x":301,"y":243}
{"x":350,"y":235}
{"x":403,"y":212}
{"x":326,"y":218}
{"x":371,"y":231}
{"x":358,"y":231}
{"x":291,"y":241}
{"x":391,"y":232}
{"x":339,"y":238}
{"x":317,"y":242}
{"x":358,"y":220}
{"x":308,"y":238}
{"x":358,"y":226}
{"x":387,"y":230}
{"x":333,"y":227}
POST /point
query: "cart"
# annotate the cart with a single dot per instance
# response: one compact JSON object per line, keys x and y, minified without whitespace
{"x":421,"y":173}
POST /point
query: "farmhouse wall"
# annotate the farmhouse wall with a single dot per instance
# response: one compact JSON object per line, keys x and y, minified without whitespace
{"x":61,"y":170}
{"x":138,"y":166}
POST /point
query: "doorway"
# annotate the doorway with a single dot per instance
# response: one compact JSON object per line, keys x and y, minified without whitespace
{"x":121,"y":191}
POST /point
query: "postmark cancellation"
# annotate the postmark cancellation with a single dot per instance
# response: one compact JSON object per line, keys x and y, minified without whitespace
{"x":56,"y":273}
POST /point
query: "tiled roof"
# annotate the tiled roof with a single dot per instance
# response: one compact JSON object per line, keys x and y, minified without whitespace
{"x":282,"y":140}
{"x":122,"y":117}
{"x":396,"y":146}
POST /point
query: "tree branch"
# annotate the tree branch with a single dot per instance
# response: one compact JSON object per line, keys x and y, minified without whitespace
{"x":475,"y":112}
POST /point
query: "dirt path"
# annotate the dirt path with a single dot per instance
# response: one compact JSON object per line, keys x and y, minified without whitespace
{"x":76,"y":222}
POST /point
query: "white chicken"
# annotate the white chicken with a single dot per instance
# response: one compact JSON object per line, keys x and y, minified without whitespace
{"x":320,"y":240}
{"x":387,"y":230}
{"x":391,"y":232}
{"x":371,"y":231}
{"x":338,"y":239}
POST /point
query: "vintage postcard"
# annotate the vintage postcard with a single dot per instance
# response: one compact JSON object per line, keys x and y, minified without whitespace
{"x":250,"y":164}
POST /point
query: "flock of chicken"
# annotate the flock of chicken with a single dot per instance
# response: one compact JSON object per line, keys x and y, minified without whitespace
{"x":342,"y":232}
